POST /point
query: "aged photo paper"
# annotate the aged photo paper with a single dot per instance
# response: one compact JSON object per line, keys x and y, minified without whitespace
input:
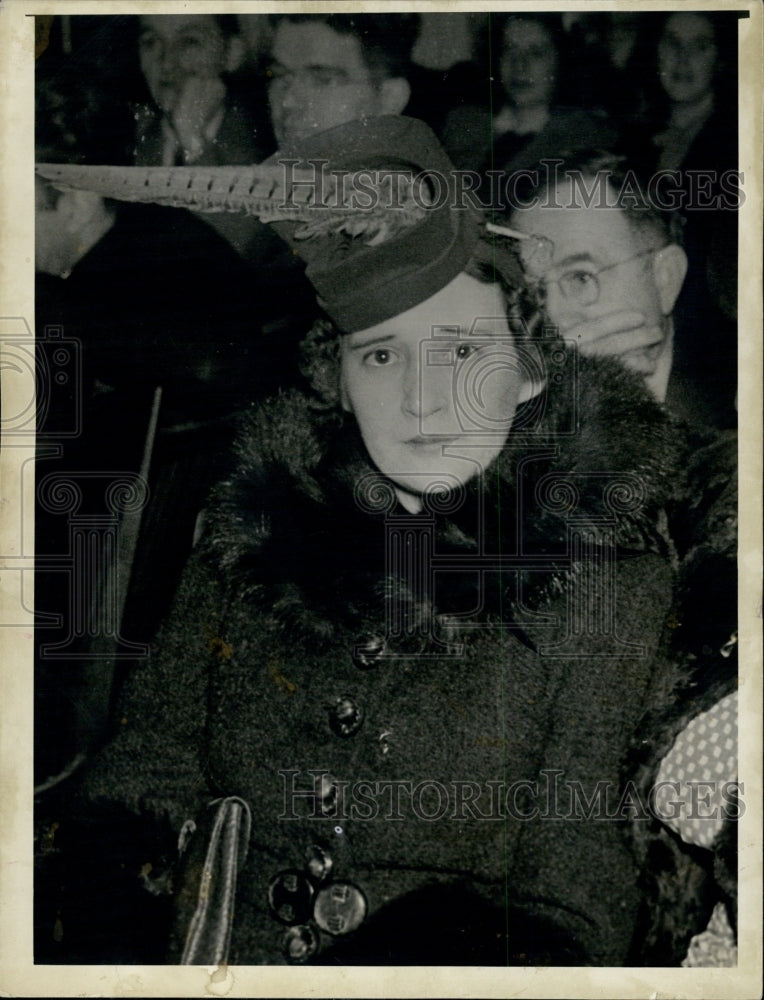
{"x":57,"y":705}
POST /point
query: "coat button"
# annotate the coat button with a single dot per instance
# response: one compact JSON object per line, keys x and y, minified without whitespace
{"x":385,"y":742}
{"x":300,"y":944}
{"x":328,"y":795}
{"x":368,"y":651}
{"x":290,"y":896}
{"x":318,"y":862}
{"x":345,"y":716}
{"x":339,"y":908}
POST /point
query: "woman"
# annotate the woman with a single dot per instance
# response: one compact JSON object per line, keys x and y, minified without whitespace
{"x":690,"y":134}
{"x":386,"y":719}
{"x":689,"y":64}
{"x":526,"y":121}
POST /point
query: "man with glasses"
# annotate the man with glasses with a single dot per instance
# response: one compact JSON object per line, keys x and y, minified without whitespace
{"x":616,"y":270}
{"x":328,"y":69}
{"x":612,"y":279}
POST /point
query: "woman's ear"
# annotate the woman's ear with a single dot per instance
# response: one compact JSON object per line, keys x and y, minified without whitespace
{"x":344,"y":397}
{"x":669,"y":271}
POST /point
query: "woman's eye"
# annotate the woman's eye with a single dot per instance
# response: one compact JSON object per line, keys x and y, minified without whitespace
{"x":465,"y":351}
{"x":378,"y":358}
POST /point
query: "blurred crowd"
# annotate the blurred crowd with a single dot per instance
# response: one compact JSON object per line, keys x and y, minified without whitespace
{"x":209,"y":308}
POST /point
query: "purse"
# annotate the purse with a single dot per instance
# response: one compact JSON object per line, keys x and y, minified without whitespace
{"x":208,"y":884}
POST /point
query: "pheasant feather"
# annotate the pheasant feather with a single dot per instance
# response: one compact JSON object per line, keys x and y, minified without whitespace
{"x":358,"y":204}
{"x":374,"y":205}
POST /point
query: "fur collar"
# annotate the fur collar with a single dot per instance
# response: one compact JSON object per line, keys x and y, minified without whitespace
{"x":286,"y":530}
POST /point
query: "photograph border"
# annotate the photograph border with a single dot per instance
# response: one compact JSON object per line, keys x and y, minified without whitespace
{"x":19,"y":976}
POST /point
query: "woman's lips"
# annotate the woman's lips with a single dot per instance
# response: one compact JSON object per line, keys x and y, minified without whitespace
{"x":431,"y":441}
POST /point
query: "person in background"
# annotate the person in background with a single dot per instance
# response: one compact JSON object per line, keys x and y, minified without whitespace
{"x":617,"y":276}
{"x":153,"y":297}
{"x":689,"y":61}
{"x":328,"y":69}
{"x":614,"y":279}
{"x":689,"y":138}
{"x":527,"y":118}
{"x":186,"y":61}
{"x":196,"y":114}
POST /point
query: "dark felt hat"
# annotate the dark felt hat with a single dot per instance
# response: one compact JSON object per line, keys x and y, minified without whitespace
{"x":365,"y":276}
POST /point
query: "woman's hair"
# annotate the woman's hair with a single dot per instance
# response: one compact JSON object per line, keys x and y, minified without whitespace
{"x":493,"y":262}
{"x":492,"y":39}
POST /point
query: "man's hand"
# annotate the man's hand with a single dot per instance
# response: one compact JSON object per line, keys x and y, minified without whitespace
{"x":643,"y":349}
{"x":198,"y":100}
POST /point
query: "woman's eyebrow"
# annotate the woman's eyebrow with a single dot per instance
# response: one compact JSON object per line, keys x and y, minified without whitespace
{"x":374,"y":340}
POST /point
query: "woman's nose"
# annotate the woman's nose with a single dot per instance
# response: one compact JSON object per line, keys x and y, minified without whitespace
{"x":428,"y":389}
{"x":520,"y":63}
{"x":167,"y":59}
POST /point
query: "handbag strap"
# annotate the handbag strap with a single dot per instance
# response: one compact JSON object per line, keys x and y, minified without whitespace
{"x":209,"y":932}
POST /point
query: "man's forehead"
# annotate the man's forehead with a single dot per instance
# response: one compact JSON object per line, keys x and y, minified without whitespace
{"x":169,"y":25}
{"x":576,"y":224}
{"x":689,"y":26}
{"x":521,"y":31}
{"x":314,"y":43}
{"x":42,"y":190}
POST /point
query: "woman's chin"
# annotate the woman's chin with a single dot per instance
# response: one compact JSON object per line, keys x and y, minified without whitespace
{"x":450,"y":474}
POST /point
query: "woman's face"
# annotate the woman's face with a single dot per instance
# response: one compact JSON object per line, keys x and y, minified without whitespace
{"x":687,"y":57}
{"x":528,"y":63}
{"x":434,"y":390}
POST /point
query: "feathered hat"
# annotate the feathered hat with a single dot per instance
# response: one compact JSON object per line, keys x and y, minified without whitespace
{"x":373,"y":207}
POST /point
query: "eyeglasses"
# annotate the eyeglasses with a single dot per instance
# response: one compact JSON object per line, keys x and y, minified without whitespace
{"x":582,"y":286}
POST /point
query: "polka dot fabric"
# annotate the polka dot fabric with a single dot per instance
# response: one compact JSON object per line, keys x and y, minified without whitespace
{"x":702,"y":760}
{"x":715,"y":948}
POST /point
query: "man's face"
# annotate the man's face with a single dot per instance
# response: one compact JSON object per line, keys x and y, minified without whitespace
{"x":52,"y":242}
{"x":318,"y":79}
{"x":687,"y":57}
{"x":174,"y":48}
{"x":434,"y":389}
{"x":587,"y":240}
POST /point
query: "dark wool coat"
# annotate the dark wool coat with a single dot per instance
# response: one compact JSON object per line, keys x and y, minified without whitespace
{"x":682,"y":883}
{"x":448,"y":763}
